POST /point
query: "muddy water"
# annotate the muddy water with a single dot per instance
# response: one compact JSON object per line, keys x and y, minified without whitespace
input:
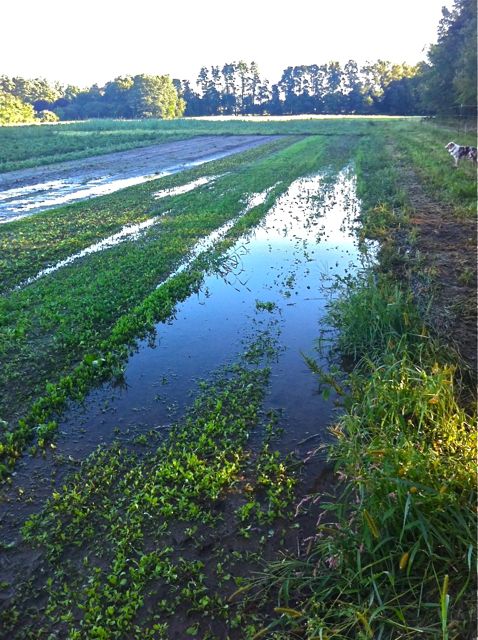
{"x":30,"y":191}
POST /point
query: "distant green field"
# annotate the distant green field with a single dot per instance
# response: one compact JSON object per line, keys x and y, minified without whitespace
{"x":30,"y":146}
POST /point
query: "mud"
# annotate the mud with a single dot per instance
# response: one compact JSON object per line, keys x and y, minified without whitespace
{"x":28,"y":191}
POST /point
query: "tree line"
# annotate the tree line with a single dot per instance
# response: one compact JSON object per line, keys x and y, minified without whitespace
{"x":140,"y":96}
{"x":237,"y":88}
{"x":444,"y":84}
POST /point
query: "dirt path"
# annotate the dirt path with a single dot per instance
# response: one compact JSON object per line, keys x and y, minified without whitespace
{"x":29,"y":191}
{"x":445,"y":249}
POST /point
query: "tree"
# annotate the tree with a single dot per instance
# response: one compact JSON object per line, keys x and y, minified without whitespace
{"x":47,"y":116}
{"x":154,"y":97}
{"x":450,"y":80}
{"x":353,"y":87}
{"x":229,"y":98}
{"x":31,"y":91}
{"x":13,"y":110}
{"x":115,"y":95}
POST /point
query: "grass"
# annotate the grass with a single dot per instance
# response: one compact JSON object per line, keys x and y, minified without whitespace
{"x":24,"y":147}
{"x":395,"y":554}
{"x":385,"y":157}
{"x":396,"y":557}
{"x":424,"y":149}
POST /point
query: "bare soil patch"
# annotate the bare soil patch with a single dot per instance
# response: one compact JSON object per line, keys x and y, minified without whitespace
{"x":445,"y":249}
{"x":134,"y":162}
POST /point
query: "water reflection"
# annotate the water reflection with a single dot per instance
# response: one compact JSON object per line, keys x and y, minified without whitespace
{"x":306,"y":239}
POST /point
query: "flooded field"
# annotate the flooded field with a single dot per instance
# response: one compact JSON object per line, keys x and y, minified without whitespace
{"x":173,"y":380}
{"x":29,"y":191}
{"x":269,"y":275}
{"x":273,"y":285}
{"x":175,"y":386}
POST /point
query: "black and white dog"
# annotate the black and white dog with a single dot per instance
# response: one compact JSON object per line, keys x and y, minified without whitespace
{"x":458,"y":152}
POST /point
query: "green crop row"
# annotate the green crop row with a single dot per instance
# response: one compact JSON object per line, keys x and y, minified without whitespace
{"x":113,"y":564}
{"x":30,"y":146}
{"x":41,"y":240}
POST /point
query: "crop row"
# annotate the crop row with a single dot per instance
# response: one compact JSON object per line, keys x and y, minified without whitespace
{"x":29,"y":146}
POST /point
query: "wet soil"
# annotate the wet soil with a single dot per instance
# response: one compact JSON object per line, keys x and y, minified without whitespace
{"x":445,"y":269}
{"x":33,"y":190}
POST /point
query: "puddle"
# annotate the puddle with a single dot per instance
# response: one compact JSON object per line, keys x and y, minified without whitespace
{"x":290,"y":260}
{"x":185,"y":188}
{"x":128,"y":232}
{"x":104,"y":175}
{"x":133,"y":232}
{"x":253,"y":200}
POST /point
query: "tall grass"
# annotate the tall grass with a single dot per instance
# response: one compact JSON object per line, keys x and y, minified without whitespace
{"x":424,"y":147}
{"x":395,"y":559}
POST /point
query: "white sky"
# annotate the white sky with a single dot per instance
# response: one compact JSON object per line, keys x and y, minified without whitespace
{"x":88,"y":41}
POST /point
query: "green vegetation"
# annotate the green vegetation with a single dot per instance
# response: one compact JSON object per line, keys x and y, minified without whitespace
{"x":393,"y":554}
{"x":32,"y":146}
{"x":34,"y":243}
{"x":445,"y":84}
{"x":13,"y":110}
{"x":396,"y":557}
{"x":140,"y":96}
{"x":24,"y":147}
{"x":424,"y":151}
{"x":450,"y":79}
{"x":159,"y":514}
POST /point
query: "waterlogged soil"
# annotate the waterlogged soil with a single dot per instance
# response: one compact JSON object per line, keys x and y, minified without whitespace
{"x":29,"y":191}
{"x":276,"y":283}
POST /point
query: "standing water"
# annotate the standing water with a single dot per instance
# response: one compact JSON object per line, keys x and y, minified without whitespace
{"x":277,"y":279}
{"x":275,"y":282}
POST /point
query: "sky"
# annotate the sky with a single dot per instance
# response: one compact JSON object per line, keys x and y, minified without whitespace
{"x":93,"y":41}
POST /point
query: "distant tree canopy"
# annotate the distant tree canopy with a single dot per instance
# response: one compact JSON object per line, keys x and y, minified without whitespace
{"x":445,"y":84}
{"x":237,"y":88}
{"x":141,"y":96}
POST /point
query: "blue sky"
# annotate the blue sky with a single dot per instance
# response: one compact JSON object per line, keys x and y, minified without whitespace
{"x":96,"y":40}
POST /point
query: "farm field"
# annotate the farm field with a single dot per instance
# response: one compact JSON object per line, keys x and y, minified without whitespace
{"x":31,"y":146}
{"x":30,"y":191}
{"x":236,"y":400}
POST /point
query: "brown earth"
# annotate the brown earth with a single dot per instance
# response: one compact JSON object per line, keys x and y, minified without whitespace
{"x":445,"y":269}
{"x":134,"y":162}
{"x":27,"y":191}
